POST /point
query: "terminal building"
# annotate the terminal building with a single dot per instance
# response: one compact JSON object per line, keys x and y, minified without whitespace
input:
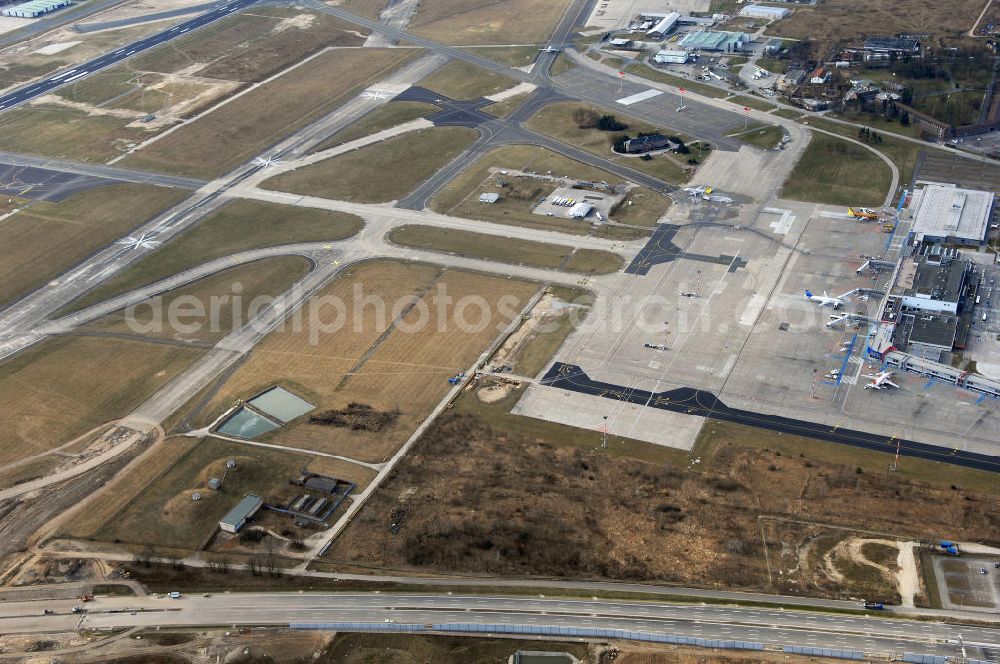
{"x":932,"y":284}
{"x":951,"y":215}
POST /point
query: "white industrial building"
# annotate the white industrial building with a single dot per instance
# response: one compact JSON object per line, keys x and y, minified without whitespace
{"x":580,"y":210}
{"x":949,"y":214}
{"x":671,"y":57}
{"x":664,"y":26}
{"x":763,"y":11}
{"x":33,"y":8}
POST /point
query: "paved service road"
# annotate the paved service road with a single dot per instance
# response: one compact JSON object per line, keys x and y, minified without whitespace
{"x":39,"y":88}
{"x":764,"y":625}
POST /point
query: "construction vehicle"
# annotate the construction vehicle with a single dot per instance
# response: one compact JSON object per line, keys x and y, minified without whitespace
{"x":862,"y":214}
{"x":86,"y":598}
{"x":888,"y":228}
{"x":454,"y":380}
{"x":948,"y":547}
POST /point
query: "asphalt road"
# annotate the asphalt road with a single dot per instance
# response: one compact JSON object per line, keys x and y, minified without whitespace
{"x":702,"y":403}
{"x":46,"y":85}
{"x":761,"y":625}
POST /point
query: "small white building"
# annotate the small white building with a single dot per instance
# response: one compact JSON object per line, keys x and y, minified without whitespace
{"x":761,"y":11}
{"x":489,"y":197}
{"x":580,"y":210}
{"x":667,"y":57}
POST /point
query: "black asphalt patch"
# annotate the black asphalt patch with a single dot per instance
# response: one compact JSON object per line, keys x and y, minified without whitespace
{"x":453,"y":113}
{"x":705,"y":404}
{"x":661,"y":249}
{"x":43,"y":184}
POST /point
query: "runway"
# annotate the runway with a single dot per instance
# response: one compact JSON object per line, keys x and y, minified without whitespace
{"x":705,"y":404}
{"x":46,"y":85}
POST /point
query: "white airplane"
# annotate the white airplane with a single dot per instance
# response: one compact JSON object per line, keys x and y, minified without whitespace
{"x":702,"y":190}
{"x":825,"y":300}
{"x":550,"y":49}
{"x":880,"y":381}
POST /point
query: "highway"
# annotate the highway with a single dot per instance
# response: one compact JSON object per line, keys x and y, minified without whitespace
{"x":763,"y":625}
{"x":66,"y":76}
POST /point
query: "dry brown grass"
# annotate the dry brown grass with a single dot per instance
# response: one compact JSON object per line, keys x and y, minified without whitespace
{"x":251,"y":45}
{"x":66,"y":386}
{"x":39,"y":243}
{"x":261,"y":279}
{"x":841,"y":20}
{"x":244,"y":127}
{"x":483,"y":499}
{"x":403,"y":371}
{"x":487,"y":21}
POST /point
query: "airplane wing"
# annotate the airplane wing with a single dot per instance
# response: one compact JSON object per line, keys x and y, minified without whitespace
{"x":890,"y":383}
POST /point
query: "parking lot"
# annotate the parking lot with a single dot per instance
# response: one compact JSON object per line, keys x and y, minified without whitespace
{"x":968,"y":583}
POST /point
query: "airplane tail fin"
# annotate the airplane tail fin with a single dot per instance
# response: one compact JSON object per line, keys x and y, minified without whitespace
{"x":809,"y":294}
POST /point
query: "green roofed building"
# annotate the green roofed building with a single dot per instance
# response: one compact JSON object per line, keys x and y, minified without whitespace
{"x":237,"y":517}
{"x":715,"y":40}
{"x":33,"y":8}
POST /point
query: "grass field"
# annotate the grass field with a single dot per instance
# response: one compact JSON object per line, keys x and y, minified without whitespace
{"x":368,"y":359}
{"x":678,"y":522}
{"x":641,"y":207}
{"x":752,"y":102}
{"x":182,"y":523}
{"x":506,"y":250}
{"x":500,"y":22}
{"x":502,"y":109}
{"x":383,"y":117}
{"x":250,"y":46}
{"x":901,"y":152}
{"x":399,"y":649}
{"x":244,"y":127}
{"x":460,"y":80}
{"x":226,"y":299}
{"x":367,"y":8}
{"x":360,"y":175}
{"x":763,"y":137}
{"x":839,"y":20}
{"x":512,"y":56}
{"x":39,"y":243}
{"x":835,"y":172}
{"x":66,"y":386}
{"x":556,"y":120}
{"x":237,"y":226}
{"x":661,"y":77}
{"x":879,"y":123}
{"x":460,"y":197}
{"x":536,"y":348}
{"x":54,"y":131}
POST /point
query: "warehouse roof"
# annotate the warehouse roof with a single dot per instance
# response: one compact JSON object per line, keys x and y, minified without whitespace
{"x":714,"y":40}
{"x":244,"y":509}
{"x":945,"y":211}
{"x":891,"y":44}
